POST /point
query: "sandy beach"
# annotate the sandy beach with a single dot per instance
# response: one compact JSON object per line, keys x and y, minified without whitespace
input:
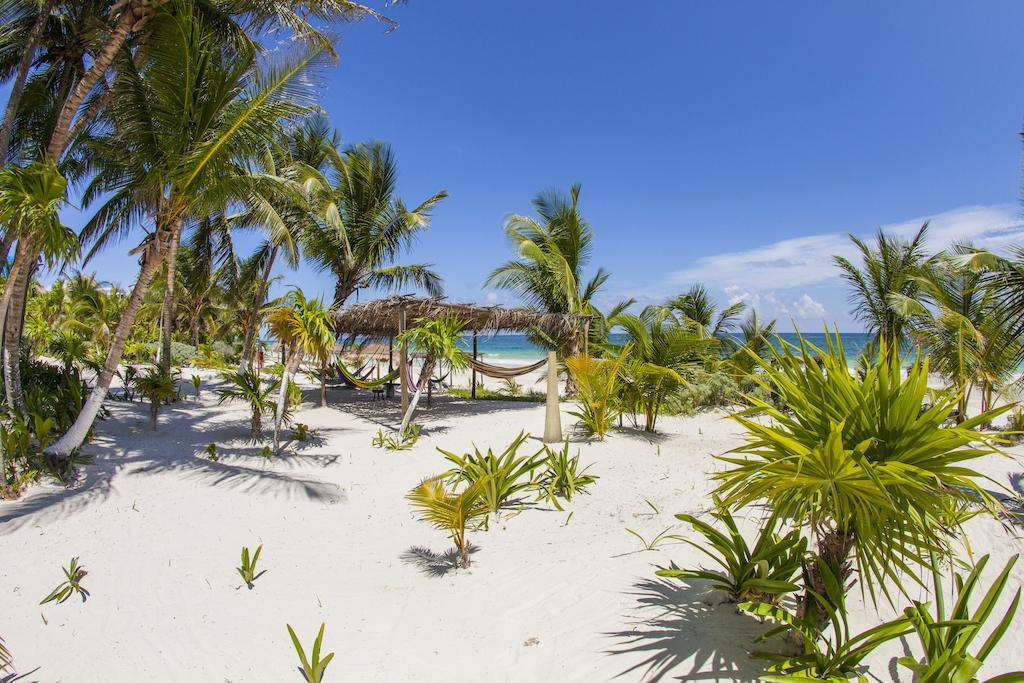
{"x":549,"y":596}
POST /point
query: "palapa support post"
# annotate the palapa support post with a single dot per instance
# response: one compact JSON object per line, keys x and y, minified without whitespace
{"x":552,"y":418}
{"x":473,"y":392}
{"x":586,"y":338}
{"x":403,"y":364}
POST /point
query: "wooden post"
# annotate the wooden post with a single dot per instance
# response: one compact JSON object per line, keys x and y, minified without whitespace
{"x":586,"y":338}
{"x":473,"y":392}
{"x":552,"y":418}
{"x":403,"y":360}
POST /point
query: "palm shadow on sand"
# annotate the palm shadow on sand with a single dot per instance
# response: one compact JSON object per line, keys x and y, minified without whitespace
{"x":433,"y":563}
{"x":679,"y":626}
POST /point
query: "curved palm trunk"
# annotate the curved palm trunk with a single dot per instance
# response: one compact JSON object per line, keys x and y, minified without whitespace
{"x":13,"y":325}
{"x":25,"y":247}
{"x":256,"y":425}
{"x":167,"y":309}
{"x":248,"y":344}
{"x":5,"y":246}
{"x":428,"y":370}
{"x":151,"y":262}
{"x":291,"y":366}
{"x":18,"y":87}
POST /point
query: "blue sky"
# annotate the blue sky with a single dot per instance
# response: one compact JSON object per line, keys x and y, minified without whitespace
{"x":730,"y":143}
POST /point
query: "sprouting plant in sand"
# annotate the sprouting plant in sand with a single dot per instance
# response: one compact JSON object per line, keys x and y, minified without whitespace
{"x":248,"y":386}
{"x":248,"y":570}
{"x":503,"y":476}
{"x":762,"y":573}
{"x":266,"y":452}
{"x":945,"y":638}
{"x":211,"y":452}
{"x":450,"y":510}
{"x":653,"y":543}
{"x":73,"y":575}
{"x":389,"y":442}
{"x":197,"y":382}
{"x":158,"y":387}
{"x":300,"y":432}
{"x":562,"y":476}
{"x":313,"y":668}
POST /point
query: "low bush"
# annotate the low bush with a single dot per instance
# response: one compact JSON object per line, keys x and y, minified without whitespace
{"x":562,"y":476}
{"x":482,"y":394}
{"x":704,"y":391}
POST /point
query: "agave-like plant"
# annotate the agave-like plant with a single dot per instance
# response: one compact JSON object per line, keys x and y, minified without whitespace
{"x":503,"y":475}
{"x":863,"y":462}
{"x":449,"y":510}
{"x":562,"y":476}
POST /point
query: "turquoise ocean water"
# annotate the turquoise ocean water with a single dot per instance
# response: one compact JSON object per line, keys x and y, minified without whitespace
{"x":518,"y":347}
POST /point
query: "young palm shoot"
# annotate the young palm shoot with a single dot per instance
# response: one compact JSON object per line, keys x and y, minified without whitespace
{"x":73,"y":575}
{"x":448,"y":510}
{"x":313,"y":668}
{"x":248,"y":570}
{"x":197,"y":382}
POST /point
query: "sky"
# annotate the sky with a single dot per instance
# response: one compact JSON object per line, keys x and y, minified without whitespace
{"x":733,"y":144}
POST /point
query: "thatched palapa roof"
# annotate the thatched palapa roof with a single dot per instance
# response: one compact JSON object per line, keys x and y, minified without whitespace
{"x":380,"y":318}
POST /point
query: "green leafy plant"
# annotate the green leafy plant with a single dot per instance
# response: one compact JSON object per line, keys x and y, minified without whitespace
{"x":450,"y":510}
{"x":653,"y":543}
{"x":510,"y":386}
{"x":158,"y":387}
{"x":761,"y":574}
{"x":211,"y":452}
{"x":562,"y":476}
{"x":946,"y":638}
{"x":1014,"y":430}
{"x":266,"y":452}
{"x":197,"y":382}
{"x":313,"y":669}
{"x":390,"y":442}
{"x":598,"y":399}
{"x":248,"y":386}
{"x":503,"y":475}
{"x":248,"y":568}
{"x":830,"y":653}
{"x":73,"y":575}
{"x":128,"y":377}
{"x":300,"y":432}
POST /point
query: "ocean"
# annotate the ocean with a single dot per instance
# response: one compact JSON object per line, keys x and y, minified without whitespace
{"x":517,"y":347}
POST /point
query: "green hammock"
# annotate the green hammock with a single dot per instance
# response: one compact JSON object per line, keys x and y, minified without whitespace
{"x":363,"y":384}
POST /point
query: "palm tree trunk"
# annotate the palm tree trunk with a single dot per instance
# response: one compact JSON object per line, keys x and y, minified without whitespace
{"x":14,"y":100}
{"x":248,"y":343}
{"x":323,"y":384}
{"x":167,"y":310}
{"x":133,"y":16}
{"x":154,"y":411}
{"x":13,"y":325}
{"x":424,"y":377}
{"x":5,"y":246}
{"x":152,"y":259}
{"x":291,"y":366}
{"x":25,"y":246}
{"x":256,"y":425}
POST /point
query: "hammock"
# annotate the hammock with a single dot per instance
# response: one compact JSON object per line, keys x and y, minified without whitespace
{"x":502,"y":372}
{"x":358,"y":383}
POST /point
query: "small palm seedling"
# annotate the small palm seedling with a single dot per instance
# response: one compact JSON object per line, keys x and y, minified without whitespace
{"x":248,"y":569}
{"x":945,"y":639}
{"x":511,"y":387}
{"x":300,"y":432}
{"x":758,"y":574}
{"x":653,"y":543}
{"x":834,"y":656}
{"x":448,"y":510}
{"x":247,"y":386}
{"x":312,"y":669}
{"x":158,"y":387}
{"x":562,"y":476}
{"x":211,"y":452}
{"x":266,"y":452}
{"x":504,"y":475}
{"x":73,"y":575}
{"x":197,"y":382}
{"x":390,"y":442}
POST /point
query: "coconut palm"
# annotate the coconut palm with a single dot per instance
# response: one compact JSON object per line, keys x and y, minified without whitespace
{"x":158,"y":387}
{"x":438,"y":341}
{"x":449,"y":510}
{"x":304,"y":328}
{"x":363,"y":228}
{"x":248,"y":386}
{"x":751,"y":344}
{"x":176,"y":158}
{"x":553,"y":251}
{"x":863,"y":462}
{"x":698,"y":309}
{"x":887,"y":269}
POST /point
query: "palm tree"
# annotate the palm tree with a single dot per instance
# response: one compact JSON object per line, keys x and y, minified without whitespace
{"x":177,"y":157}
{"x":697,"y":308}
{"x":553,"y":251}
{"x":449,"y":510}
{"x":888,"y":269}
{"x":363,"y":228}
{"x":438,"y":341}
{"x":751,"y":344}
{"x":159,"y":387}
{"x":248,"y":386}
{"x":304,"y":327}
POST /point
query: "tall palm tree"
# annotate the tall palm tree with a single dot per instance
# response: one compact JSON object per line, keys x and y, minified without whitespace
{"x":363,"y":227}
{"x":175,"y":157}
{"x":751,"y":344}
{"x":697,"y":308}
{"x":888,"y":269}
{"x":553,"y":251}
{"x":305,"y":328}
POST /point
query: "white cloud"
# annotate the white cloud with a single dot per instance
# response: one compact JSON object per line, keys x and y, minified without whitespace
{"x":809,"y":309}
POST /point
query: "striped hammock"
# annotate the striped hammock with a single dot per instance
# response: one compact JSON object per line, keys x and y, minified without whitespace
{"x":502,"y":372}
{"x":362,"y":383}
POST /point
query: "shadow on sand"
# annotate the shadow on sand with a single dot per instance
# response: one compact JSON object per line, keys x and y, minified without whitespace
{"x":435,"y":564}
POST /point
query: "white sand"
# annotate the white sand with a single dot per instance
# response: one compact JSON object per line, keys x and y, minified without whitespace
{"x":159,"y":529}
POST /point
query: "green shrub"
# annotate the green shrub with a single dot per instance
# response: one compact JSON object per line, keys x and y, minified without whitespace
{"x":71,"y":584}
{"x":760,"y":574}
{"x":562,"y":476}
{"x":248,"y":386}
{"x":482,"y":394}
{"x":598,"y":398}
{"x":181,"y":353}
{"x":389,"y":441}
{"x":503,"y":475}
{"x":211,"y":452}
{"x":1014,"y":430}
{"x":313,"y":669}
{"x":705,"y":391}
